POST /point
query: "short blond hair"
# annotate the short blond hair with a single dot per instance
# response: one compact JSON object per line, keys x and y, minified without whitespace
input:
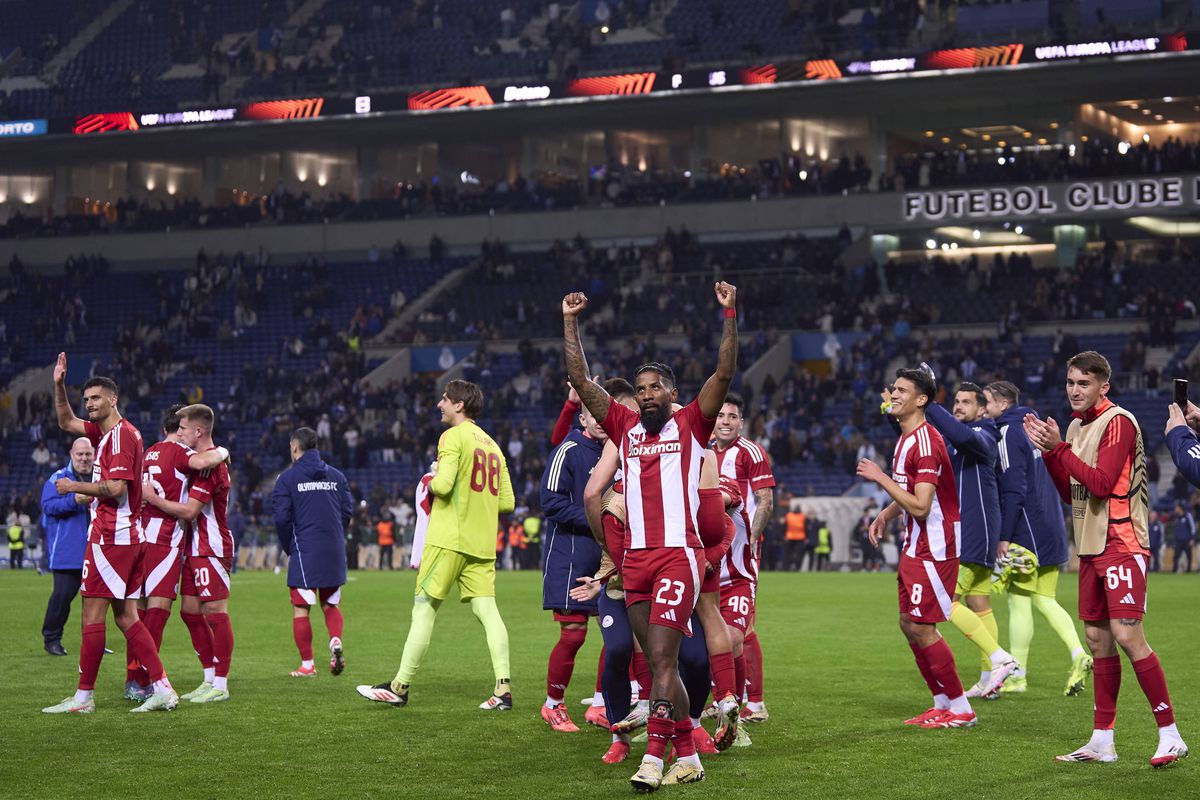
{"x":198,"y":412}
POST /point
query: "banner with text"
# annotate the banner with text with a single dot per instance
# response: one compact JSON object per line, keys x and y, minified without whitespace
{"x":1023,"y":201}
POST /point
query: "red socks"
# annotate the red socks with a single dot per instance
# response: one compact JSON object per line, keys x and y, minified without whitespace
{"x":659,"y":733}
{"x":91,"y":650}
{"x":202,"y":637}
{"x":685,"y":745}
{"x":723,"y":674}
{"x":739,"y":676}
{"x":1154,"y":683}
{"x":562,"y":661}
{"x":302,"y":633}
{"x":155,"y":622}
{"x":222,"y":633}
{"x":941,"y":667}
{"x":752,"y":650}
{"x":333,"y":621}
{"x":133,"y":670}
{"x":935,"y":688}
{"x":600,"y":671}
{"x":641,"y":674}
{"x":1106,"y":685}
{"x":141,"y":644}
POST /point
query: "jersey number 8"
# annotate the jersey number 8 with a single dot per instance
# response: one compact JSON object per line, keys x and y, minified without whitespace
{"x":485,"y":472}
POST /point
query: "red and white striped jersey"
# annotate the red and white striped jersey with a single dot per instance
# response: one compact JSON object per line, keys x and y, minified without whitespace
{"x":118,"y":457}
{"x":424,"y":503}
{"x":210,"y":534}
{"x":921,"y":457}
{"x":748,"y":464}
{"x":661,"y":475}
{"x":165,"y":465}
{"x":740,"y":562}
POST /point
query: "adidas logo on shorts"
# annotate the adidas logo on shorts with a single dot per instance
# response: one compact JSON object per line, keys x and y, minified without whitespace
{"x":1128,"y":600}
{"x":669,"y":616}
{"x":740,"y":621}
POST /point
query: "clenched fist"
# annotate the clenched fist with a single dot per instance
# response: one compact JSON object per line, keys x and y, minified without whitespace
{"x":726,"y":294}
{"x":574,"y":303}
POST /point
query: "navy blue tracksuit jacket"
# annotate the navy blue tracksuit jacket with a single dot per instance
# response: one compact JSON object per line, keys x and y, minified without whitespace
{"x":570,"y":550}
{"x":1031,"y":512}
{"x":974,"y":452}
{"x":1185,"y":452}
{"x":312,"y":506}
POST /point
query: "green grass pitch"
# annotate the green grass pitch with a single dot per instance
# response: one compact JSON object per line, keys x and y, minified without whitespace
{"x":839,"y":681}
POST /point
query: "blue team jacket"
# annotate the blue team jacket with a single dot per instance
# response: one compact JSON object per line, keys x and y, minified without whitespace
{"x":312,"y":506}
{"x":1031,"y":512}
{"x":570,"y":551}
{"x":973,"y":453}
{"x":65,"y":523}
{"x":1185,"y":452}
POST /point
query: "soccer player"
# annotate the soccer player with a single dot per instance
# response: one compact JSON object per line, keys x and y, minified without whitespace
{"x":570,"y":552}
{"x":168,"y":469}
{"x":423,"y":504}
{"x":1034,"y":537}
{"x":208,"y":559}
{"x":660,"y":461}
{"x":471,"y":488}
{"x":112,"y":561}
{"x":750,"y":466}
{"x":1101,"y":471}
{"x":971,"y":440}
{"x":312,"y":506}
{"x":923,"y":492}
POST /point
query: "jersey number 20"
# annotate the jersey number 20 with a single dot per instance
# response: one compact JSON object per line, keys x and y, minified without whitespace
{"x":485,"y":472}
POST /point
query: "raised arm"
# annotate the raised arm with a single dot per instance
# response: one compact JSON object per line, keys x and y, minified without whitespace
{"x":62,"y":406}
{"x":964,"y":438}
{"x":591,"y":394}
{"x":712,"y":393}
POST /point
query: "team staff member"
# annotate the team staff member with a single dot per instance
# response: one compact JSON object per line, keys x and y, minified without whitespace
{"x":1033,"y":538}
{"x":312,"y":508}
{"x":65,"y":521}
{"x":1101,"y":471}
{"x":571,"y":552}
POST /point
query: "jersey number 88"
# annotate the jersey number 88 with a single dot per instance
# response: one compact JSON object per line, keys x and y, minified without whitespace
{"x":485,"y":472}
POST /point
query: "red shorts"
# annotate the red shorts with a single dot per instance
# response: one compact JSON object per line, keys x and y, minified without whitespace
{"x":308,"y":597}
{"x":572,"y":616}
{"x":206,"y":577}
{"x":160,"y":570}
{"x":666,"y":577}
{"x":927,"y":588}
{"x":112,"y":570}
{"x":1112,"y":587}
{"x":737,"y":604}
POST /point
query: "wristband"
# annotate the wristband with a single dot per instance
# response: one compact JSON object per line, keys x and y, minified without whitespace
{"x":730,"y":313}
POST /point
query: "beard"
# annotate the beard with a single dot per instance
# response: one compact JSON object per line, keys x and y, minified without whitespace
{"x":654,"y":420}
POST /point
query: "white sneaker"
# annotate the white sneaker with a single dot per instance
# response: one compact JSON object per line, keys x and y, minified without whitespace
{"x":978,"y":690}
{"x":1000,"y":674}
{"x":72,"y":706}
{"x":1169,"y":751}
{"x":1090,"y":753}
{"x":158,"y":702}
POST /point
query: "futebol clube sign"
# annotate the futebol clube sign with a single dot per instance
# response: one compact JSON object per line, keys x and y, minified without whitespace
{"x":1036,"y":200}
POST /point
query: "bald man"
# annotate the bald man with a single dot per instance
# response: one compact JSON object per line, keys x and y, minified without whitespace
{"x":65,"y":520}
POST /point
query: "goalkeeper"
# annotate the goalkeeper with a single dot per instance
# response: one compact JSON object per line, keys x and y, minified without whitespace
{"x":1033,"y":540}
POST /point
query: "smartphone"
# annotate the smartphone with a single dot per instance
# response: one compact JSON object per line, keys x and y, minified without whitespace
{"x":1181,"y":394}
